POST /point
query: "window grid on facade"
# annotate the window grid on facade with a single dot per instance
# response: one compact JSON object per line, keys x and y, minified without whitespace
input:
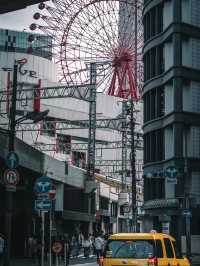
{"x":154,"y":188}
{"x":154,"y":149}
{"x":153,"y":22}
{"x":153,"y":62}
{"x":154,"y":104}
{"x":19,"y":42}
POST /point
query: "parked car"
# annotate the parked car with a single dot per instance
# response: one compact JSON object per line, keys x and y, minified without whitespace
{"x":142,"y":249}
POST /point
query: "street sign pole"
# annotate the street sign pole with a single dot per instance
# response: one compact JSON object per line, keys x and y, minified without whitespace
{"x":50,"y":237}
{"x":9,"y":195}
{"x":43,"y":221}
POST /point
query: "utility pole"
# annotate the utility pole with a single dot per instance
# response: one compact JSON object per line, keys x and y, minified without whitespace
{"x":124,"y":156}
{"x":132,"y":128}
{"x":91,"y":141}
{"x":133,"y":171}
{"x":9,"y":194}
{"x":124,"y":147}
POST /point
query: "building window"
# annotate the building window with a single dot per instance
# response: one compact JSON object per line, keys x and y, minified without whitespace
{"x":154,"y":146}
{"x":63,"y":144}
{"x":48,"y":127}
{"x":153,"y":22}
{"x":153,"y":62}
{"x":160,"y":60}
{"x":154,"y":104}
{"x":160,"y":101}
{"x":79,"y":159}
{"x":103,"y":203}
{"x":154,"y":188}
{"x":24,"y":42}
{"x":114,"y":209}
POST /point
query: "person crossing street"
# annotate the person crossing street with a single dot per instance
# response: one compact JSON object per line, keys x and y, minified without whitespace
{"x":99,"y":244}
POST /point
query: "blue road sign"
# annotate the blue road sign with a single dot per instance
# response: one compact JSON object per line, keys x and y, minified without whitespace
{"x":12,"y":160}
{"x":43,"y":184}
{"x":171,"y":172}
{"x":43,"y":205}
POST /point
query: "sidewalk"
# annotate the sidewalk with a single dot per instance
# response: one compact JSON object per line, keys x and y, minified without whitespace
{"x":73,"y":261}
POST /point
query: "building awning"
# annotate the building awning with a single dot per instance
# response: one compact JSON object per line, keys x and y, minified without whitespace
{"x":161,"y":203}
{"x":77,"y":216}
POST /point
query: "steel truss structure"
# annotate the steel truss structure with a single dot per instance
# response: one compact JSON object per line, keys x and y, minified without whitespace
{"x":84,"y":146}
{"x":114,"y":167}
{"x":80,"y":92}
{"x":114,"y":162}
{"x":113,"y":124}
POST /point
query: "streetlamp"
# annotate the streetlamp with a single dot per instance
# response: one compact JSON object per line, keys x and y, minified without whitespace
{"x":36,"y":117}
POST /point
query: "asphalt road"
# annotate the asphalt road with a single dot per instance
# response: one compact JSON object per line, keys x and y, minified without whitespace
{"x":75,"y":261}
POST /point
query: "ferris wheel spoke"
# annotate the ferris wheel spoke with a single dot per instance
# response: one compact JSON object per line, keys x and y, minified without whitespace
{"x":113,"y":26}
{"x":83,"y":47}
{"x":77,"y":34}
{"x":103,"y":27}
{"x":87,"y":39}
{"x":100,"y":26}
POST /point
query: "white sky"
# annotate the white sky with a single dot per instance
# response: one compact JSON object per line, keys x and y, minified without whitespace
{"x":18,"y":20}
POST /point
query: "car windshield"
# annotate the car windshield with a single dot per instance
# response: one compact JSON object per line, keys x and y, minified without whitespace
{"x":139,"y":249}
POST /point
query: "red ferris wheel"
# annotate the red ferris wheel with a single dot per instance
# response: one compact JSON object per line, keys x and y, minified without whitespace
{"x":105,"y":32}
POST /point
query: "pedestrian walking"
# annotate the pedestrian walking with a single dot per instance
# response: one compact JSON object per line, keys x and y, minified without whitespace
{"x":87,"y":243}
{"x":92,"y":248}
{"x":2,"y":245}
{"x":74,"y":246}
{"x":32,"y":248}
{"x":80,"y":242}
{"x":67,"y":250}
{"x":99,"y":244}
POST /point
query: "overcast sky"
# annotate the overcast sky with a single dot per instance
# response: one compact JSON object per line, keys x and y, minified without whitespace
{"x":18,"y":20}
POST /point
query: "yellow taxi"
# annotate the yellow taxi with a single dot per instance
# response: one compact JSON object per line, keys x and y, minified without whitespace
{"x":142,"y":249}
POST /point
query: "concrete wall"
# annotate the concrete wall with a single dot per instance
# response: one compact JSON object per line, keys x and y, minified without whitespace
{"x":191,"y":97}
{"x":168,"y":55}
{"x":194,"y":142}
{"x":56,"y":170}
{"x":195,"y":186}
{"x":167,"y":14}
{"x":107,"y":106}
{"x":190,"y":12}
{"x":169,"y":143}
{"x":108,"y":192}
{"x":28,"y":157}
{"x":191,"y":59}
{"x":169,"y":189}
{"x":169,"y":99}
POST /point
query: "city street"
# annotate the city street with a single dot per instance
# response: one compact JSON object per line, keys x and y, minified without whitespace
{"x":76,"y":261}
